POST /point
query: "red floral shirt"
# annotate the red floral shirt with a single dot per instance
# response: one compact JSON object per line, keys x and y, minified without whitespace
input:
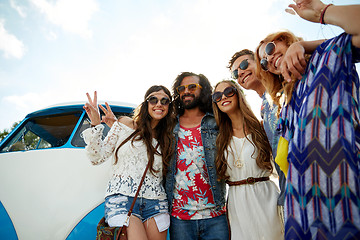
{"x":193,"y":198}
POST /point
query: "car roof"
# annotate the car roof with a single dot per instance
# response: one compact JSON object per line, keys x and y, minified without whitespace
{"x":78,"y":106}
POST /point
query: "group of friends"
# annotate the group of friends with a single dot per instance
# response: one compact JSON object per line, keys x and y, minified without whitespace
{"x":200,"y":138}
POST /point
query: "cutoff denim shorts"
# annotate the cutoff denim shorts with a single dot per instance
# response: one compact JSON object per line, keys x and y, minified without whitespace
{"x":118,"y":205}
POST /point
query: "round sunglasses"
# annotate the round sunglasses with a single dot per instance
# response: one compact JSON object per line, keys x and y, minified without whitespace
{"x":228,"y":92}
{"x":191,"y":87}
{"x":269,"y":50}
{"x":154,"y":100}
{"x":243,"y":66}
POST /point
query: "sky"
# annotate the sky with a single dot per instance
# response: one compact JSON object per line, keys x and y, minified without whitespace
{"x":54,"y":51}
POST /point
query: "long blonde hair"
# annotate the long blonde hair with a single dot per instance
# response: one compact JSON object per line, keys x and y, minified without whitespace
{"x":250,"y":125}
{"x":274,"y":84}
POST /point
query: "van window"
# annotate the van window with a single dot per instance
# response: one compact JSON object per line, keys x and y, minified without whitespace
{"x":78,"y":141}
{"x":43,"y":132}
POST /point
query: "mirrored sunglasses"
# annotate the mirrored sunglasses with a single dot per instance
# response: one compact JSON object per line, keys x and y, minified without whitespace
{"x":269,"y":50}
{"x":154,"y":100}
{"x":191,"y":87}
{"x":228,"y":92}
{"x":243,"y":66}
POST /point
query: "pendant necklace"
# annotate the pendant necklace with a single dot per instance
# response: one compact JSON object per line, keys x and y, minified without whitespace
{"x":238,"y":162}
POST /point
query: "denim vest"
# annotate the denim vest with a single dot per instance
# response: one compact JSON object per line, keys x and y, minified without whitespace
{"x":209,"y":132}
{"x":268,"y":114}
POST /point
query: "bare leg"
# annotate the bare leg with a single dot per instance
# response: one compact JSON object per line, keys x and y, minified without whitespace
{"x":152,"y":231}
{"x":136,"y":229}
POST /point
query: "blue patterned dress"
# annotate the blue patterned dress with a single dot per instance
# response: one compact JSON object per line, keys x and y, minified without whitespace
{"x":321,"y":124}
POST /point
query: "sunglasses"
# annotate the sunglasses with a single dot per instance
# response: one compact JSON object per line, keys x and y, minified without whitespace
{"x":228,"y":92}
{"x":191,"y":87}
{"x":243,"y":66}
{"x":269,"y":50}
{"x":154,"y":100}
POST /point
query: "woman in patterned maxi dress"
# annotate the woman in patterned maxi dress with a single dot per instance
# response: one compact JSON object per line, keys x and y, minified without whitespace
{"x":320,"y":122}
{"x":244,"y":160}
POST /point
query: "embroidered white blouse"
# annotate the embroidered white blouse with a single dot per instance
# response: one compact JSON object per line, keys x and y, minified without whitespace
{"x":132,"y":161}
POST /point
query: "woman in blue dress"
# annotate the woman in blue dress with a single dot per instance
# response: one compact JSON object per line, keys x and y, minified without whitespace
{"x":320,"y":125}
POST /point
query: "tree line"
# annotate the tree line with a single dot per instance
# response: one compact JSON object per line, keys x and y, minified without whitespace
{"x":5,"y":132}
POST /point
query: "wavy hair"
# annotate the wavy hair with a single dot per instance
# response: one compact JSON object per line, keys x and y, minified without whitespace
{"x":163,"y":131}
{"x":205,"y":94}
{"x":250,"y":125}
{"x":275,"y":84}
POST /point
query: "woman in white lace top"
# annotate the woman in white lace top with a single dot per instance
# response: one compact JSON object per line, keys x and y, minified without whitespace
{"x":131,"y":143}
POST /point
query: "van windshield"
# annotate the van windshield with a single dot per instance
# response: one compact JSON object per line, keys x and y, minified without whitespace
{"x":43,"y":132}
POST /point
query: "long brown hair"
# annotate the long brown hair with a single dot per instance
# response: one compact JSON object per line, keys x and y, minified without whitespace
{"x":250,"y":125}
{"x":275,"y":84}
{"x":163,"y":130}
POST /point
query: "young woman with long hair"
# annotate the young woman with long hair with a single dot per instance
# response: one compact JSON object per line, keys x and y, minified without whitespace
{"x":275,"y":84}
{"x":132,"y":143}
{"x":244,"y":160}
{"x":320,"y":126}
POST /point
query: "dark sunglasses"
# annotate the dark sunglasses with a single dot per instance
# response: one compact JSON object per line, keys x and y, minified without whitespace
{"x":191,"y":87}
{"x":269,"y":50}
{"x":154,"y":100}
{"x":243,"y":66}
{"x":228,"y":92}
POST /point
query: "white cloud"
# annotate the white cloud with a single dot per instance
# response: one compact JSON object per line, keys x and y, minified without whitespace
{"x":51,"y":35}
{"x":22,"y":102}
{"x":11,"y":46}
{"x":71,"y":16}
{"x":18,"y":8}
{"x":32,"y":101}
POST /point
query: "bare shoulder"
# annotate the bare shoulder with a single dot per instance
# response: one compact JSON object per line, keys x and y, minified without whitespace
{"x":127,"y":121}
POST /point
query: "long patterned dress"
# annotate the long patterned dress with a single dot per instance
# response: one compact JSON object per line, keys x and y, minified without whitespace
{"x":321,"y":124}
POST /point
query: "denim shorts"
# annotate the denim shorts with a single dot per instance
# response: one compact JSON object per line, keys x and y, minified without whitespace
{"x":118,"y":205}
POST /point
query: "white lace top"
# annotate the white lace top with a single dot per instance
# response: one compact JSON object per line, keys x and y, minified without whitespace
{"x":132,"y":161}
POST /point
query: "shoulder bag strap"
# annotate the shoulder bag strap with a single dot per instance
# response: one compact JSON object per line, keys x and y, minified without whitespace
{"x":133,"y":202}
{"x":137,"y":192}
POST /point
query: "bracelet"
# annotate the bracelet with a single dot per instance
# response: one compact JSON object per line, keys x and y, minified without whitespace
{"x":323,"y":13}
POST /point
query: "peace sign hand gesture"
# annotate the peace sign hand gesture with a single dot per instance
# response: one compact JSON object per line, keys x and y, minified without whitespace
{"x":92,"y":109}
{"x":109,"y":117}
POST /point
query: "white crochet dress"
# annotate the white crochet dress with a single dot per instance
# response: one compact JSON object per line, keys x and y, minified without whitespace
{"x":132,"y":161}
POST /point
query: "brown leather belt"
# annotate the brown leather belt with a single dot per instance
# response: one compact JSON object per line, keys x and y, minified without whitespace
{"x":249,"y":180}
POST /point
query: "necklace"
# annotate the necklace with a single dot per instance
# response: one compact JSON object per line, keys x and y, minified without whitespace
{"x":238,"y":162}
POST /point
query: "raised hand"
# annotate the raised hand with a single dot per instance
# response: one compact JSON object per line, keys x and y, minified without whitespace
{"x":92,"y":109}
{"x":109,"y":117}
{"x":307,"y":9}
{"x":293,"y":62}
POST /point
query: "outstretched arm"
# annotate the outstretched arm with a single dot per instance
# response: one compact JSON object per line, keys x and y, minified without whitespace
{"x":294,"y":59}
{"x":347,"y":17}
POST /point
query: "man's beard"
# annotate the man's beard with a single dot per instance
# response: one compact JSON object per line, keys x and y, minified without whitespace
{"x":190,"y":104}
